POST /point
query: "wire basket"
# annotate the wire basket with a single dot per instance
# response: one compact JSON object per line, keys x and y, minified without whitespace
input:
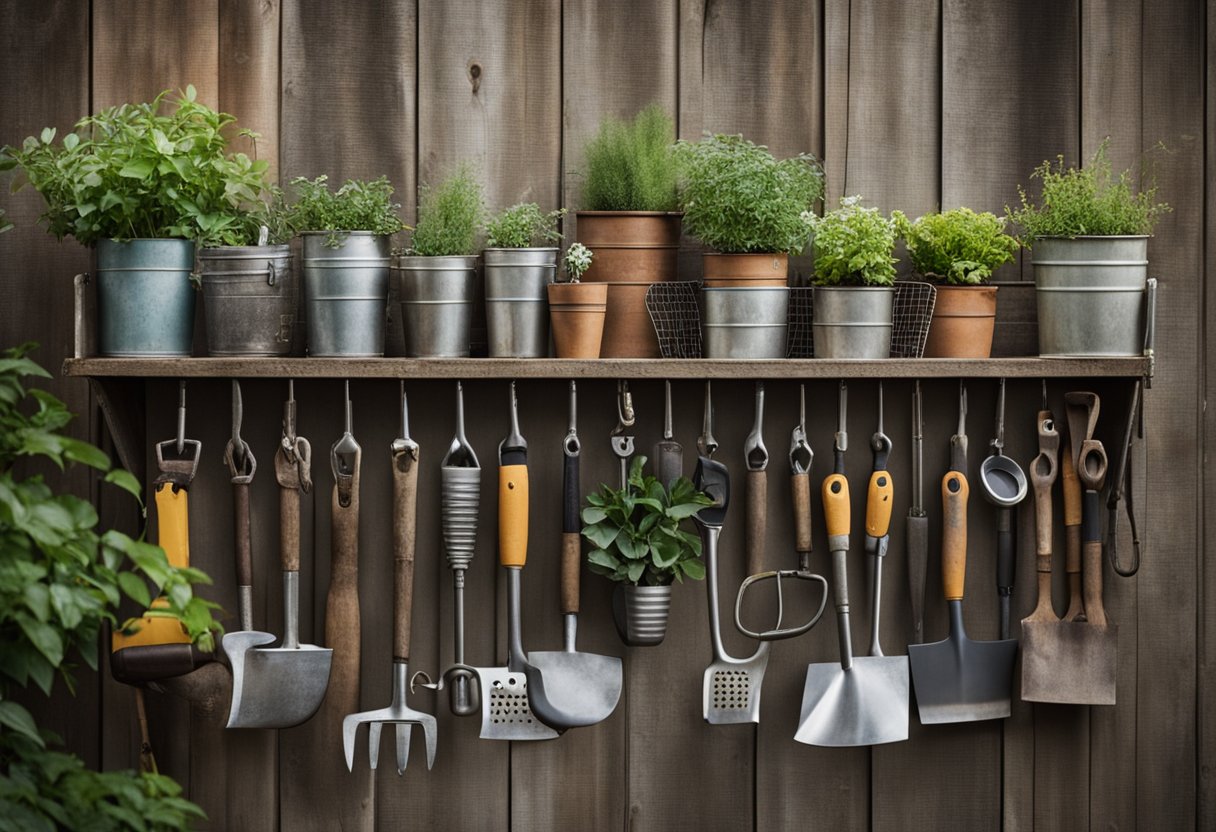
{"x":676,"y":317}
{"x":914,"y":302}
{"x":800,"y":343}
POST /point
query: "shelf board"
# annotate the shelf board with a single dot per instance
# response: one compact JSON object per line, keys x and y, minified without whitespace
{"x":473,"y":368}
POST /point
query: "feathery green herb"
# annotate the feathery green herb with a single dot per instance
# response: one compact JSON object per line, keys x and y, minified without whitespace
{"x":853,"y":246}
{"x":449,"y":216}
{"x":524,"y":225}
{"x":630,"y":166}
{"x":958,"y":247}
{"x":356,"y":206}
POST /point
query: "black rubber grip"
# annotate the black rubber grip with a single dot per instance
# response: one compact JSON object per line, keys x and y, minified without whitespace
{"x":570,"y":496}
{"x":1005,"y":553}
{"x":513,"y":456}
{"x":1091,"y":517}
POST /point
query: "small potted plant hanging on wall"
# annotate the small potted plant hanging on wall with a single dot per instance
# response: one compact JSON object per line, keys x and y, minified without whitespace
{"x":640,"y":542}
{"x":346,"y":258}
{"x":854,"y":300}
{"x":577,"y":308}
{"x":519,"y":268}
{"x":959,"y":250}
{"x":1089,"y":237}
{"x":438,"y":272}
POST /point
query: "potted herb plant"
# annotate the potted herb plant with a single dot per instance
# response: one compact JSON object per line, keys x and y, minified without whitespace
{"x":1089,"y":233}
{"x":854,"y":281}
{"x":519,"y":267}
{"x":639,"y":541}
{"x":631,"y":224}
{"x":144,"y":183}
{"x":438,"y":271}
{"x":959,"y":250}
{"x":578,"y":308}
{"x":346,"y":260}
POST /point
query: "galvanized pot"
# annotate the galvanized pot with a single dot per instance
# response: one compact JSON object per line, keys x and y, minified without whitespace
{"x":517,"y":305}
{"x":145,"y":300}
{"x":251,"y":296}
{"x":436,"y":304}
{"x":1090,"y":294}
{"x":640,"y":613}
{"x":853,"y":321}
{"x":346,"y":293}
{"x":744,"y":322}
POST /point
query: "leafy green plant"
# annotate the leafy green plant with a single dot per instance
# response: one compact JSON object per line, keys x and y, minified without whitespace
{"x":577,"y":261}
{"x":59,"y":581}
{"x":1086,"y":201}
{"x":630,"y":166}
{"x":357,"y":205}
{"x":738,"y":198}
{"x":636,"y":531}
{"x":159,"y":169}
{"x":524,"y":225}
{"x":853,"y":245}
{"x":958,"y":247}
{"x":449,"y":215}
{"x":5,"y":225}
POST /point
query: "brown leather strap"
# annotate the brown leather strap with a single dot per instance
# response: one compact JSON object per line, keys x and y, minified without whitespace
{"x":571,"y":555}
{"x":757,"y":525}
{"x":405,"y":516}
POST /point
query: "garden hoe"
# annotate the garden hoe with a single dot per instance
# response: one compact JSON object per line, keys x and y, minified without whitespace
{"x":399,"y":713}
{"x":858,"y":700}
{"x":505,"y":710}
{"x":1004,"y":485}
{"x":568,"y":689}
{"x":957,"y":679}
{"x":730,"y":692}
{"x":668,"y":454}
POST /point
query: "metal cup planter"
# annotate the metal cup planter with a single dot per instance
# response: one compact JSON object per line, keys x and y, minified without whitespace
{"x":346,"y":293}
{"x":517,"y":305}
{"x":437,"y":296}
{"x":964,"y":319}
{"x":853,"y":321}
{"x":1090,"y":293}
{"x":743,"y":322}
{"x":640,"y":613}
{"x":145,"y":298}
{"x":251,"y":297}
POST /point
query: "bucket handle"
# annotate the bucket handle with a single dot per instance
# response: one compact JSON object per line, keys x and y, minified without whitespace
{"x":272,"y":274}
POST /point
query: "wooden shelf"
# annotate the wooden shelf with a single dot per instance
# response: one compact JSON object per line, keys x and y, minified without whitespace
{"x":472,"y":368}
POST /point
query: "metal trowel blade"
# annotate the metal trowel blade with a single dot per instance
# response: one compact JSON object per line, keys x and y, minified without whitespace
{"x":276,"y":687}
{"x":864,"y":705}
{"x":571,"y":689}
{"x":1069,"y":662}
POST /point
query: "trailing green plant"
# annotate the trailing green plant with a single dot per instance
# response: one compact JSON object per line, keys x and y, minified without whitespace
{"x":630,"y":165}
{"x":738,"y":198}
{"x":524,"y":225}
{"x":853,"y":245}
{"x":636,"y":530}
{"x":577,"y":261}
{"x":159,"y":169}
{"x":958,"y":247}
{"x":59,"y":581}
{"x":358,"y":205}
{"x":1086,"y":201}
{"x":5,"y":225}
{"x":449,"y":215}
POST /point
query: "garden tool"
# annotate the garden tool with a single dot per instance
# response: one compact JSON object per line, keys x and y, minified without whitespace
{"x":1004,"y":485}
{"x":957,"y":679}
{"x":399,"y":713}
{"x":1121,"y":484}
{"x":505,"y":710}
{"x":1072,"y":532}
{"x":730,"y":692}
{"x":1082,"y":410}
{"x":801,"y":457}
{"x":622,"y":443}
{"x":916,"y":526}
{"x":756,"y":457}
{"x":860,"y":700}
{"x":668,"y":454}
{"x":568,"y":689}
{"x":159,"y":648}
{"x":879,"y":498}
{"x":283,"y":686}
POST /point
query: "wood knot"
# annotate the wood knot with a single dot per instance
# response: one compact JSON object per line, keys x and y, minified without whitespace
{"x":475,"y":76}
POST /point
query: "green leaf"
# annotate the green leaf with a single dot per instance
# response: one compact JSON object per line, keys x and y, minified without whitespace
{"x":125,"y":480}
{"x":37,"y":599}
{"x":593,"y":515}
{"x":18,"y":719}
{"x":83,"y":452}
{"x":602,"y":558}
{"x":43,"y":636}
{"x":694,"y":569}
{"x":635,"y":570}
{"x":135,"y":588}
{"x":601,"y":535}
{"x":63,"y":600}
{"x":137,"y":169}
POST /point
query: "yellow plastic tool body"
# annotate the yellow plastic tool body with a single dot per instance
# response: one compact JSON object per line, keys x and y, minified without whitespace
{"x":513,"y":515}
{"x":173,"y":533}
{"x":836,"y":505}
{"x":878,"y":504}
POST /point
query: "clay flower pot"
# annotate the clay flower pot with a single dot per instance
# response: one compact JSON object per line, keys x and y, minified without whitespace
{"x":628,"y":330}
{"x":630,"y":246}
{"x":963,"y":320}
{"x":758,"y":271}
{"x":576,"y":311}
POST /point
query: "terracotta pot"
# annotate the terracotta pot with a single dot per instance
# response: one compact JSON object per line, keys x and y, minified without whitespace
{"x":963,"y":320}
{"x":628,"y":330}
{"x":576,"y":311}
{"x":724,"y":271}
{"x":630,"y":246}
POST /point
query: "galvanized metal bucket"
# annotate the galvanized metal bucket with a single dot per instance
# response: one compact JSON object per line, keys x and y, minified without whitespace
{"x":1090,"y":294}
{"x":744,"y":322}
{"x":145,"y":299}
{"x":346,"y":293}
{"x":853,"y":321}
{"x":250,"y":296}
{"x":640,"y":613}
{"x":436,"y":304}
{"x":517,"y":301}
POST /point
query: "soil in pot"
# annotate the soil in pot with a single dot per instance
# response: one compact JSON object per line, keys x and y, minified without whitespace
{"x":723,"y":271}
{"x":963,"y":321}
{"x":631,"y":246}
{"x":628,"y":330}
{"x":577,"y":311}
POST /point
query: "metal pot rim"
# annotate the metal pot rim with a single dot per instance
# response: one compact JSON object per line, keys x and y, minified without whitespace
{"x":629,"y":213}
{"x":347,"y":233}
{"x":1097,"y":237}
{"x":854,"y":288}
{"x":236,"y":251}
{"x":745,"y":289}
{"x":515,"y":248}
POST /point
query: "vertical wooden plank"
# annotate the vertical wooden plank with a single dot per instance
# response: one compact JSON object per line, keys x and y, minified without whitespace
{"x":249,"y":73}
{"x":1206,"y":630}
{"x":836,"y":65}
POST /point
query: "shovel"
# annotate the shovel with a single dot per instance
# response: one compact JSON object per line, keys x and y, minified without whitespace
{"x":668,"y":453}
{"x":858,"y":701}
{"x":960,"y":680}
{"x":568,"y":689}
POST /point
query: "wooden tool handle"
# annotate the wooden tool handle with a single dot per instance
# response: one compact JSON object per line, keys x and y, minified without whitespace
{"x":570,"y":495}
{"x":757,"y":525}
{"x":836,"y":505}
{"x":571,"y":557}
{"x":512,"y":515}
{"x":405,"y":517}
{"x":1042,"y":526}
{"x":800,"y":490}
{"x":1072,"y":491}
{"x":243,"y":545}
{"x":342,"y":625}
{"x":1095,"y":612}
{"x":173,"y":524}
{"x":955,"y":491}
{"x":289,"y":529}
{"x":878,"y":504}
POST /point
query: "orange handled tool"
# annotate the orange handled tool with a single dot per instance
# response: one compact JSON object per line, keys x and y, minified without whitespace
{"x":878,"y":522}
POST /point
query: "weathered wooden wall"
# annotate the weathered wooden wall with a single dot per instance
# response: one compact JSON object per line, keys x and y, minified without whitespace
{"x":915,"y":105}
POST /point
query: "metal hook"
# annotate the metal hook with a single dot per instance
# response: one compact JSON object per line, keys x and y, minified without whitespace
{"x":880,"y":443}
{"x":572,"y":446}
{"x":625,"y":415}
{"x":841,"y":442}
{"x":801,"y":455}
{"x":181,"y":417}
{"x":238,"y":413}
{"x":754,"y":452}
{"x":706,"y":443}
{"x":998,"y":444}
